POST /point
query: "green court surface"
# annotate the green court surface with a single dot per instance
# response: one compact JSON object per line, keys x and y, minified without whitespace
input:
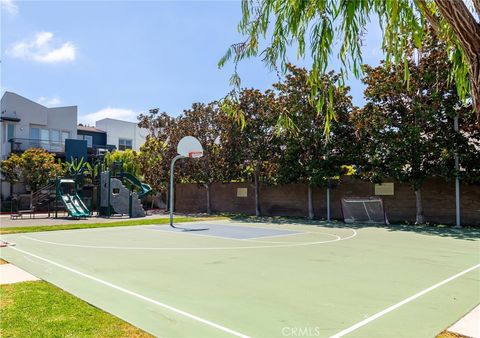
{"x":264,"y":280}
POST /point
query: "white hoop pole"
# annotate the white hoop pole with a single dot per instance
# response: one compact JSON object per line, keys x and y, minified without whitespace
{"x":172,"y":201}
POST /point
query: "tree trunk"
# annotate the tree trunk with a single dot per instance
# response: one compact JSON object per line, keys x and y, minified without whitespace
{"x":475,"y":79}
{"x":467,"y":30}
{"x":419,"y":219}
{"x":310,"y":203}
{"x":257,"y":194}
{"x":209,"y":205}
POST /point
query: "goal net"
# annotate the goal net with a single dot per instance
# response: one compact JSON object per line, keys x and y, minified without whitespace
{"x":364,"y":210}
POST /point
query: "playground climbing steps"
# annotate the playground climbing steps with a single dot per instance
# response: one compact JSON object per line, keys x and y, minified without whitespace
{"x":116,"y":198}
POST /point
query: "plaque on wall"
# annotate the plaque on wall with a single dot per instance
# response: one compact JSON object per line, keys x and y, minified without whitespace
{"x":242,"y":192}
{"x":385,"y":189}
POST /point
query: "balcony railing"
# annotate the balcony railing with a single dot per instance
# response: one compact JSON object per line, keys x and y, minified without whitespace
{"x":97,"y":149}
{"x":22,"y":144}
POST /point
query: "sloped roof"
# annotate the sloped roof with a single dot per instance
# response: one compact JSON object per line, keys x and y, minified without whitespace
{"x":90,"y":129}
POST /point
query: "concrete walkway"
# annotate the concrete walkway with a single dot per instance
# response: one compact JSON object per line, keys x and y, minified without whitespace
{"x":10,"y":274}
{"x":469,"y":325}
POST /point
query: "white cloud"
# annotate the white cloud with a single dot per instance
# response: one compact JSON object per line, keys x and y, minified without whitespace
{"x":43,"y":48}
{"x":110,"y":112}
{"x":9,"y":7}
{"x":54,"y":101}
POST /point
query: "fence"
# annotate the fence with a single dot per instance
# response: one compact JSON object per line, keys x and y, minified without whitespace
{"x":292,"y":200}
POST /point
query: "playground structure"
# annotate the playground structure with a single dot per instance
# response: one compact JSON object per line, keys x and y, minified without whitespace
{"x":120,"y":193}
{"x":117,"y":192}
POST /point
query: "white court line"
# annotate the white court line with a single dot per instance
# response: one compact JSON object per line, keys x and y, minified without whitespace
{"x":403,"y":302}
{"x":290,"y":244}
{"x":137,"y":295}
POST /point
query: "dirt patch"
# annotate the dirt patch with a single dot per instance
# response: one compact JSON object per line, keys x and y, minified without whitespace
{"x":446,"y":334}
{"x":134,"y":332}
{"x":5,"y":300}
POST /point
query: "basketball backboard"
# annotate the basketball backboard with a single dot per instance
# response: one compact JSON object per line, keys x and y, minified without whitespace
{"x":189,"y":146}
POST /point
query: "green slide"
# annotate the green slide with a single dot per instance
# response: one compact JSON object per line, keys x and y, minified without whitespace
{"x":72,"y":202}
{"x":75,"y":206}
{"x":144,"y":189}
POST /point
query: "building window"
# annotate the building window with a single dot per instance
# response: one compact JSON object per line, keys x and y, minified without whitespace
{"x":65,"y":135}
{"x":48,"y":139}
{"x":34,"y":136}
{"x":35,"y":133}
{"x":9,"y":132}
{"x":88,"y":138}
{"x":45,"y":139}
{"x":45,"y":135}
{"x":55,"y":135}
{"x":124,"y":143}
{"x":55,"y":144}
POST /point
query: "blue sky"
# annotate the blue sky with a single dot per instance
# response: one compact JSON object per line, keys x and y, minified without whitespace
{"x":117,"y":59}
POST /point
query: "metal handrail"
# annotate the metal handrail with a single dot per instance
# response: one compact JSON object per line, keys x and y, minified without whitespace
{"x":22,"y":144}
{"x":39,"y":195}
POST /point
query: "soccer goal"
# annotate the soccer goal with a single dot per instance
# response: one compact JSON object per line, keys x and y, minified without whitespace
{"x":364,"y":210}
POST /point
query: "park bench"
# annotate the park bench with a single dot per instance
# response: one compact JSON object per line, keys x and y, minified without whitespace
{"x":21,"y":213}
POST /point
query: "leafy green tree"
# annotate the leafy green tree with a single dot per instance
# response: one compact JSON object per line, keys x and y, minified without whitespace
{"x":39,"y":167}
{"x":157,"y":151}
{"x":257,"y":146}
{"x":128,"y":157}
{"x":468,"y":149}
{"x":406,"y":131}
{"x":79,"y":170}
{"x":151,"y":161}
{"x":11,"y":169}
{"x":306,"y":156}
{"x":75,"y":167}
{"x":211,"y":127}
{"x":316,"y":26}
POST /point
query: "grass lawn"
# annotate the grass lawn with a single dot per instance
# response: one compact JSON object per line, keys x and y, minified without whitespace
{"x":70,"y":226}
{"x":39,"y":309}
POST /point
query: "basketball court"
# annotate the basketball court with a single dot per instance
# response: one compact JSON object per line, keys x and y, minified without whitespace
{"x":264,"y":279}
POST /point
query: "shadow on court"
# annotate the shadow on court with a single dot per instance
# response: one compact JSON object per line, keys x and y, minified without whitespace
{"x":465,"y":233}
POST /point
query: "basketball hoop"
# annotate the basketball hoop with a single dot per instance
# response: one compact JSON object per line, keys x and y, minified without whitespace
{"x":188,"y":147}
{"x":195,"y":154}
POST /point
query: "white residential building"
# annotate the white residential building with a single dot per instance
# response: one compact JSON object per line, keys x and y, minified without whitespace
{"x":123,"y":134}
{"x":25,"y":124}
